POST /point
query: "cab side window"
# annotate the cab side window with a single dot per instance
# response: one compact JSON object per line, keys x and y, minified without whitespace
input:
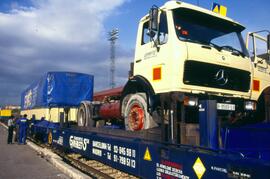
{"x":163,"y":31}
{"x":145,"y":37}
{"x":261,"y":49}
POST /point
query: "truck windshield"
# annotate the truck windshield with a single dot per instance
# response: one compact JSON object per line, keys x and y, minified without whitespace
{"x":194,"y":26}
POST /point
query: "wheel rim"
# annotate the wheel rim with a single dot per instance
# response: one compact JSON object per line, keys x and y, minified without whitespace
{"x":50,"y":138}
{"x":136,"y":117}
{"x":81,"y":117}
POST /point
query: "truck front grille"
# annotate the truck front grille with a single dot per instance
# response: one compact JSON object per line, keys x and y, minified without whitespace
{"x":216,"y":76}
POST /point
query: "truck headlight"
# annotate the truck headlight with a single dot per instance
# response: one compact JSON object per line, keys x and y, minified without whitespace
{"x":190,"y":101}
{"x":250,"y":105}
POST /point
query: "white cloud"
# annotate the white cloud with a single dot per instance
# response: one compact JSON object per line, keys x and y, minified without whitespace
{"x":59,"y":35}
{"x":67,"y":21}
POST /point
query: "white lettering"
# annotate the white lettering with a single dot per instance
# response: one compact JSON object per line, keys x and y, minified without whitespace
{"x":133,"y":163}
{"x":115,"y":158}
{"x":109,"y":156}
{"x":97,"y":152}
{"x":128,"y":152}
{"x":78,"y":142}
{"x":115,"y":149}
{"x":101,"y":145}
{"x":169,"y":171}
{"x":59,"y":141}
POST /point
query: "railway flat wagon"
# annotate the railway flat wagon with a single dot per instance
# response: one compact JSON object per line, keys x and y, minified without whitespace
{"x":147,"y":154}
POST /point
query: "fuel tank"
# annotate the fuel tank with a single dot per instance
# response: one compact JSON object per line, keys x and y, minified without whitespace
{"x":110,"y":110}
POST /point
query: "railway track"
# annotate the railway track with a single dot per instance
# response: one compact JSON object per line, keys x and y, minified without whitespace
{"x":98,"y":169}
{"x":92,"y":168}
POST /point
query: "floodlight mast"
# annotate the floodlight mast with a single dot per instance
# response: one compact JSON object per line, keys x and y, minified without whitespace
{"x":112,"y":37}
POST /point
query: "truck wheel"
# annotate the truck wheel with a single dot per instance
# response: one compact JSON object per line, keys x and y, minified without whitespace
{"x":50,"y":139}
{"x":84,"y":115}
{"x":135,"y":113}
{"x":260,"y":113}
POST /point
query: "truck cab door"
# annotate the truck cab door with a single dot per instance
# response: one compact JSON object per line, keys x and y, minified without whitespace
{"x":260,"y":55}
{"x":152,"y":53}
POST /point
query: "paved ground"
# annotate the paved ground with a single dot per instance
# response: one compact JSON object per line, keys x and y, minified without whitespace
{"x":20,"y":161}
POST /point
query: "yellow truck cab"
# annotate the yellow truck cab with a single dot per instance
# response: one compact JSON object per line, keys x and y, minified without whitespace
{"x":185,"y":53}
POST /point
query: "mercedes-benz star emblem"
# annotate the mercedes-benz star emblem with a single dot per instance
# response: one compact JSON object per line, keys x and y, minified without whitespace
{"x":221,"y":77}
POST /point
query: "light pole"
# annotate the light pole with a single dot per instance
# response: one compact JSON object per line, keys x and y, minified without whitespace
{"x":112,"y":37}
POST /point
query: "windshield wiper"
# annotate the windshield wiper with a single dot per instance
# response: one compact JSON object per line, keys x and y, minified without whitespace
{"x":192,"y":40}
{"x":233,"y":50}
{"x":215,"y":46}
{"x":210,"y":44}
{"x":219,"y":48}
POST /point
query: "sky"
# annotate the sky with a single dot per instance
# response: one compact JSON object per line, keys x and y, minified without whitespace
{"x":37,"y":36}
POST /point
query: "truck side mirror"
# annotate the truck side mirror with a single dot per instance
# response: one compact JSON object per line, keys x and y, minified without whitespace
{"x":268,"y":46}
{"x":268,"y":42}
{"x":153,"y":22}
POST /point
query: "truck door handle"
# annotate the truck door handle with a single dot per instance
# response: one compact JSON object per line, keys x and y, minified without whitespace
{"x":138,"y":61}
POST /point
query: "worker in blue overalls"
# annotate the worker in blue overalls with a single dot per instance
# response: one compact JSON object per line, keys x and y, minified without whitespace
{"x":22,"y":122}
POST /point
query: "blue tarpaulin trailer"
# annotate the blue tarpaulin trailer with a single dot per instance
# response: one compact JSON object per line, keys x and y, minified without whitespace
{"x":58,"y":89}
{"x":55,"y":90}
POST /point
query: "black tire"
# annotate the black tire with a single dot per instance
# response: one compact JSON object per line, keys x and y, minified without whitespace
{"x":259,"y":115}
{"x":84,"y":115}
{"x":81,"y":115}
